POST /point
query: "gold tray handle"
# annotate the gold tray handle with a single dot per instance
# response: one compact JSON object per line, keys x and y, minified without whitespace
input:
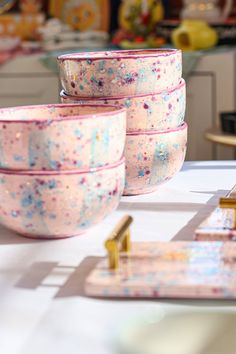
{"x":229,"y":203}
{"x":119,"y":241}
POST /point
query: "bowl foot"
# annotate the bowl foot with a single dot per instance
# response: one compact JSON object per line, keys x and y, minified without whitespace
{"x":50,"y":237}
{"x":140,"y":191}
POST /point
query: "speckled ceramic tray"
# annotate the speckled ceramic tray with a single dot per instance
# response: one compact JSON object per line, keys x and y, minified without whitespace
{"x":220,"y":225}
{"x":203,"y":270}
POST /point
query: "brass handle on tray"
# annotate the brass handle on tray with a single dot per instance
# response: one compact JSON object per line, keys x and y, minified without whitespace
{"x":119,"y":241}
{"x":229,"y":203}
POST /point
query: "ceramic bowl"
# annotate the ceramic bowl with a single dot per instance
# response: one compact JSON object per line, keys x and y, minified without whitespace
{"x":61,"y":137}
{"x":120,"y":73}
{"x":59,"y":204}
{"x":153,"y":158}
{"x":160,"y":111}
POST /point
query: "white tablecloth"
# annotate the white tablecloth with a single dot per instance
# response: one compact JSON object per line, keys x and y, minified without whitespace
{"x":43,"y":309}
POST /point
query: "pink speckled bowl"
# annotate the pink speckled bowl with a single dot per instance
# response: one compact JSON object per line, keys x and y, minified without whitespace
{"x":120,"y":73}
{"x":160,"y":111}
{"x":61,"y":137}
{"x":152,"y":158}
{"x":59,"y":204}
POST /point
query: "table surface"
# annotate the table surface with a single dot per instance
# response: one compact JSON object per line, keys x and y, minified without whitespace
{"x":43,"y":309}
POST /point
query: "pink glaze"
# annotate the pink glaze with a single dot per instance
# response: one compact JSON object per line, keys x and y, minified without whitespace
{"x":119,"y":54}
{"x":60,"y":172}
{"x":160,"y":132}
{"x":60,"y":137}
{"x":160,"y":111}
{"x":153,"y":158}
{"x":59,"y":204}
{"x":193,"y":270}
{"x":120,"y":73}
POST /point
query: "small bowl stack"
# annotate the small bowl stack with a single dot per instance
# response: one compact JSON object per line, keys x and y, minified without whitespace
{"x":62,"y":167}
{"x":149,"y":84}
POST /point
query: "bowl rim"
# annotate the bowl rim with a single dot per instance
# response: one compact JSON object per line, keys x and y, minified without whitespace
{"x":119,"y":54}
{"x":80,"y":171}
{"x":183,"y":126}
{"x":116,"y":110}
{"x":181,"y":84}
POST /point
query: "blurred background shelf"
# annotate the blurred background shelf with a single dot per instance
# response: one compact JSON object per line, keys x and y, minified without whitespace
{"x":217,"y":137}
{"x":25,"y":81}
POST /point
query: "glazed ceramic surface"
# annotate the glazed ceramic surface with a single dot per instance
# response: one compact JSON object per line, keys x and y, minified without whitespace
{"x":158,"y":111}
{"x":218,"y":225}
{"x":153,"y":158}
{"x":57,"y":205}
{"x":54,"y":137}
{"x":179,"y":269}
{"x":120,"y":73}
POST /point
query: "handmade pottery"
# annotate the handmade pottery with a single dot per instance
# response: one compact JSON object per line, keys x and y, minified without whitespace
{"x":120,"y":73}
{"x":60,"y":137}
{"x":59,"y":204}
{"x":160,"y":111}
{"x":153,"y":158}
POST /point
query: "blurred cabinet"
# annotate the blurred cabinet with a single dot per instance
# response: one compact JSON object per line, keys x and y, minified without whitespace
{"x":211,"y":89}
{"x":25,"y":81}
{"x":199,"y":117}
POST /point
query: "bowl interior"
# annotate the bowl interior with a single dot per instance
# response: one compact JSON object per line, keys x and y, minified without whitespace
{"x":56,"y":112}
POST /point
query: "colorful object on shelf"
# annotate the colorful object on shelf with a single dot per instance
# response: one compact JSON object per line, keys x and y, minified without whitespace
{"x":194,"y":35}
{"x":56,"y":35}
{"x":226,"y":31}
{"x":120,"y":73}
{"x":160,"y":111}
{"x":155,"y":41}
{"x":138,"y":42}
{"x":58,"y":204}
{"x":6,"y":5}
{"x":206,"y":10}
{"x":203,"y":270}
{"x":31,"y":7}
{"x":82,"y":15}
{"x":56,"y":8}
{"x":140,"y":16}
{"x":43,"y":130}
{"x":153,"y":158}
{"x":21,"y":25}
{"x":25,"y":24}
{"x":220,"y":225}
{"x":137,"y":22}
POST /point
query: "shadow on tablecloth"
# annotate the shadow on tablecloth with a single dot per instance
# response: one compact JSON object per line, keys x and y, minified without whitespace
{"x":202,"y":210}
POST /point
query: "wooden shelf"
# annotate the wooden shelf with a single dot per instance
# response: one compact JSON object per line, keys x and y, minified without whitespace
{"x":215,"y":135}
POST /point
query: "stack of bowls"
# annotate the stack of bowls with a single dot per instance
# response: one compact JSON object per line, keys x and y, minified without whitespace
{"x":149,"y":84}
{"x":61,"y":167}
